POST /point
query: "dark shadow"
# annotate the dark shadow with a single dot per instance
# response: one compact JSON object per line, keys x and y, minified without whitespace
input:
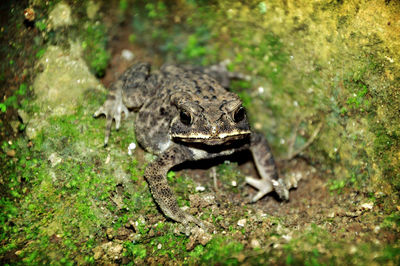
{"x":240,"y":157}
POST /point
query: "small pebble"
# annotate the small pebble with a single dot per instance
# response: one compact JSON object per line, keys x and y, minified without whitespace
{"x":287,"y":237}
{"x":200,"y":188}
{"x":353,"y":249}
{"x":257,"y":125}
{"x":242,"y":222}
{"x":11,"y":153}
{"x":110,"y":233}
{"x":254,"y":243}
{"x":367,"y":206}
{"x":377,"y":229}
{"x":127,"y":55}
{"x":97,"y":252}
{"x":131,"y":148}
{"x":108,"y":159}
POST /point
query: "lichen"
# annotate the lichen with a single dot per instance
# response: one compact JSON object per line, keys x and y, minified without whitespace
{"x":63,"y":79}
{"x":60,"y":16}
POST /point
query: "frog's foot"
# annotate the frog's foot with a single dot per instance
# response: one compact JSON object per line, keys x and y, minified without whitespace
{"x":281,"y":189}
{"x":292,"y":180}
{"x":112,"y":109}
{"x":265,"y":186}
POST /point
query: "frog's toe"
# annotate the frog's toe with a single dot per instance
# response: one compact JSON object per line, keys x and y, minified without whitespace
{"x":263,"y":186}
{"x":291,"y":181}
{"x":117,"y":121}
{"x":99,"y":112}
{"x":118,"y":116}
{"x":281,"y":189}
{"x":108,"y":130}
{"x":125,"y":111}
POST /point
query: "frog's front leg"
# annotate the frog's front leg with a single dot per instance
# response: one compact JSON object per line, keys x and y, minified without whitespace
{"x":155,"y":175}
{"x":129,"y":91}
{"x":267,"y":169}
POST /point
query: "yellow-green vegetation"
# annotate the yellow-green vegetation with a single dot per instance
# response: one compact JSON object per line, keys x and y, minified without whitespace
{"x":67,"y":199}
{"x":94,"y":47}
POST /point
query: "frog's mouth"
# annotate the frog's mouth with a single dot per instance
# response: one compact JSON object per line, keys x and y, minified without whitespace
{"x":216,"y":139}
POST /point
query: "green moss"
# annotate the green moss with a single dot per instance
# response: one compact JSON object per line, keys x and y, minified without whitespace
{"x":94,"y":45}
{"x":228,"y":173}
{"x":240,"y":87}
{"x":135,"y":250}
{"x":220,"y":250}
{"x":357,"y":100}
{"x":69,"y":200}
{"x":169,"y":245}
{"x":123,"y":5}
{"x":390,"y":254}
{"x":392,"y":221}
{"x":183,"y":187}
{"x":14,"y":101}
{"x":41,"y":25}
{"x":315,"y":246}
{"x":157,"y":10}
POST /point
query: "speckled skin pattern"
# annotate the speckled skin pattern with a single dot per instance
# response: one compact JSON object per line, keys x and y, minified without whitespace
{"x":186,"y":114}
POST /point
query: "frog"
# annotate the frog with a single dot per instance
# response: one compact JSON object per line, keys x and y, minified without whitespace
{"x":187,"y":113}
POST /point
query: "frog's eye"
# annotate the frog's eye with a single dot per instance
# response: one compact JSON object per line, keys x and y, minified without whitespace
{"x":239,"y":114}
{"x":185,"y":117}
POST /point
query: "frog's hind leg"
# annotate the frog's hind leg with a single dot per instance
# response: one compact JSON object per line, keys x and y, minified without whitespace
{"x":266,"y":167}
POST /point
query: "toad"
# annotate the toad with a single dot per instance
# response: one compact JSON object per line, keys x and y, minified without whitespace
{"x":187,"y":114}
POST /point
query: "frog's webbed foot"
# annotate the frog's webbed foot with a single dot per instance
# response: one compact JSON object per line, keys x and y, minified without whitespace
{"x":267,"y":169}
{"x":265,"y":186}
{"x":112,"y":108}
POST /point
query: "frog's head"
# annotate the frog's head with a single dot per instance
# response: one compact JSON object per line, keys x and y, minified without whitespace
{"x":212,"y":120}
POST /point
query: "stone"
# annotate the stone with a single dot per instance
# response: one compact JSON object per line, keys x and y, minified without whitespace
{"x":60,"y":16}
